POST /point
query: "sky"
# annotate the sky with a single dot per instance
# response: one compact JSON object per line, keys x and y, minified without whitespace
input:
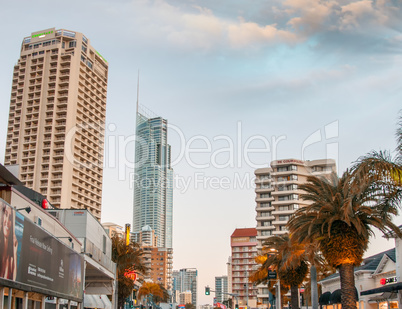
{"x":241,"y":83}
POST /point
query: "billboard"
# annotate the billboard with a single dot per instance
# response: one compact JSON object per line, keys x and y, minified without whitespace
{"x":30,"y":255}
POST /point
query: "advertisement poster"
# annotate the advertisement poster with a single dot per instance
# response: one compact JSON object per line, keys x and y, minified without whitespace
{"x":32,"y":256}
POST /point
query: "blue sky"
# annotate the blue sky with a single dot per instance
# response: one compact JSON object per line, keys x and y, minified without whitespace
{"x":246,"y":72}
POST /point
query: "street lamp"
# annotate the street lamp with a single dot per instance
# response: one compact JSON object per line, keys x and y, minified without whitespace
{"x":27,"y":209}
{"x":68,"y":237}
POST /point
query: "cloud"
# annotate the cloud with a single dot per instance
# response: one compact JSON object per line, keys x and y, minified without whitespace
{"x":202,"y":27}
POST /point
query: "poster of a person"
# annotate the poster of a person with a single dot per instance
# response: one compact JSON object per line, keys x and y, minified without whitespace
{"x":8,"y":242}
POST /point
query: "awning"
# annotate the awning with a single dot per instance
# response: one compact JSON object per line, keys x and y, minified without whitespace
{"x":383,"y":297}
{"x":97,"y":301}
{"x":386,"y":288}
{"x":324,"y":298}
{"x":335,"y":297}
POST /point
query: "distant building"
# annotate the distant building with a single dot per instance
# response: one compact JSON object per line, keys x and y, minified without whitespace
{"x":185,"y":280}
{"x":153,"y":180}
{"x":243,"y":244}
{"x":56,"y":118}
{"x":113,"y":229}
{"x":278,"y":197}
{"x":221,"y":289}
{"x":185,"y":298}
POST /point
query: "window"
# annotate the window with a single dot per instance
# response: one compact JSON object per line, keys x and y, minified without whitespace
{"x":265,"y":195}
{"x":72,"y":44}
{"x":283,"y":218}
{"x":293,"y":168}
{"x":283,"y":208}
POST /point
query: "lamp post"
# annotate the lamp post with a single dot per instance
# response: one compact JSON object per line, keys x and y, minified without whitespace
{"x":27,"y":209}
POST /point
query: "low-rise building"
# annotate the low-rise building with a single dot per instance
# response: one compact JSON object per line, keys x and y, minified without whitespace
{"x":57,"y":250}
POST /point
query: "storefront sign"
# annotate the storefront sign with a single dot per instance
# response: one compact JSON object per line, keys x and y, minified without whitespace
{"x":385,"y":281}
{"x":33,"y":256}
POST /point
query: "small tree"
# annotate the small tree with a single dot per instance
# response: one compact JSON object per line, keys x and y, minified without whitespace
{"x":158,"y":292}
{"x":127,"y":258}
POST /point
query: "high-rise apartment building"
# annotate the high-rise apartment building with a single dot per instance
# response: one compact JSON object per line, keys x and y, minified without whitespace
{"x":221,"y":289}
{"x":243,"y":244}
{"x":278,"y":197}
{"x":153,"y":178}
{"x":56,"y":119}
{"x":185,"y":280}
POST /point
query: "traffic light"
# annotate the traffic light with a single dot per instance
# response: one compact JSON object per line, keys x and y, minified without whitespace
{"x":236,"y":306}
{"x":207,"y":291}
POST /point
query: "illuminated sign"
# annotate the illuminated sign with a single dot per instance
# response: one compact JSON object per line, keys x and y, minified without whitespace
{"x":131,"y":274}
{"x":385,"y":281}
{"x":41,"y":34}
{"x":127,"y":232}
{"x":100,"y":56}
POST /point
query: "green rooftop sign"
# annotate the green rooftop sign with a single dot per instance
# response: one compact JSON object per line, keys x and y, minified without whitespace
{"x":40,"y":34}
{"x":101,"y":56}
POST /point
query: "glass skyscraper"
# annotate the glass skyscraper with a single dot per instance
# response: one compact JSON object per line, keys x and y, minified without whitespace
{"x":153,"y":179}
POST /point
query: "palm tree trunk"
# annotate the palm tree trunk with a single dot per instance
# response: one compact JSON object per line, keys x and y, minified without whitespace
{"x":294,"y":297}
{"x":348,"y":293}
{"x":314,"y":289}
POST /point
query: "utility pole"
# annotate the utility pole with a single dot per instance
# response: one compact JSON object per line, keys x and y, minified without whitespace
{"x":278,"y":295}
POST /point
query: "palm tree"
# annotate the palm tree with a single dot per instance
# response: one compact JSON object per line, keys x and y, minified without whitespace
{"x":341,"y":219}
{"x":288,"y":260}
{"x":381,"y":165}
{"x":127,"y":258}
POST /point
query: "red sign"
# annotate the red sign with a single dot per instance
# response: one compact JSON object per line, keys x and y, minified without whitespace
{"x":219,"y":305}
{"x":131,"y":274}
{"x":385,"y":281}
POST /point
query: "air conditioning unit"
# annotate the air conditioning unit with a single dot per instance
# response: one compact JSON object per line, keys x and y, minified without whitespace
{"x":38,"y":220}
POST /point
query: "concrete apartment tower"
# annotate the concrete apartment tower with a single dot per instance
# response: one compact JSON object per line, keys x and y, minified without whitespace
{"x":221,"y":289}
{"x":278,"y":197}
{"x":56,"y":120}
{"x":243,"y":243}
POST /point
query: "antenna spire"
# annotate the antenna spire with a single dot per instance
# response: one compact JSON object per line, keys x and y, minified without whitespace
{"x":138,"y":89}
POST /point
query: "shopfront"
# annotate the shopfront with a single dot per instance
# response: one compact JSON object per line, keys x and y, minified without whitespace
{"x":385,"y":296}
{"x":35,"y":265}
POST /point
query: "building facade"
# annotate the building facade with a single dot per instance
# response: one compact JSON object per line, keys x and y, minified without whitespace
{"x":185,"y":298}
{"x":243,"y":244}
{"x":278,"y":197}
{"x":221,"y":289}
{"x":58,"y":250}
{"x":376,"y":284}
{"x":153,"y":178}
{"x":185,"y":280}
{"x":56,"y":119}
